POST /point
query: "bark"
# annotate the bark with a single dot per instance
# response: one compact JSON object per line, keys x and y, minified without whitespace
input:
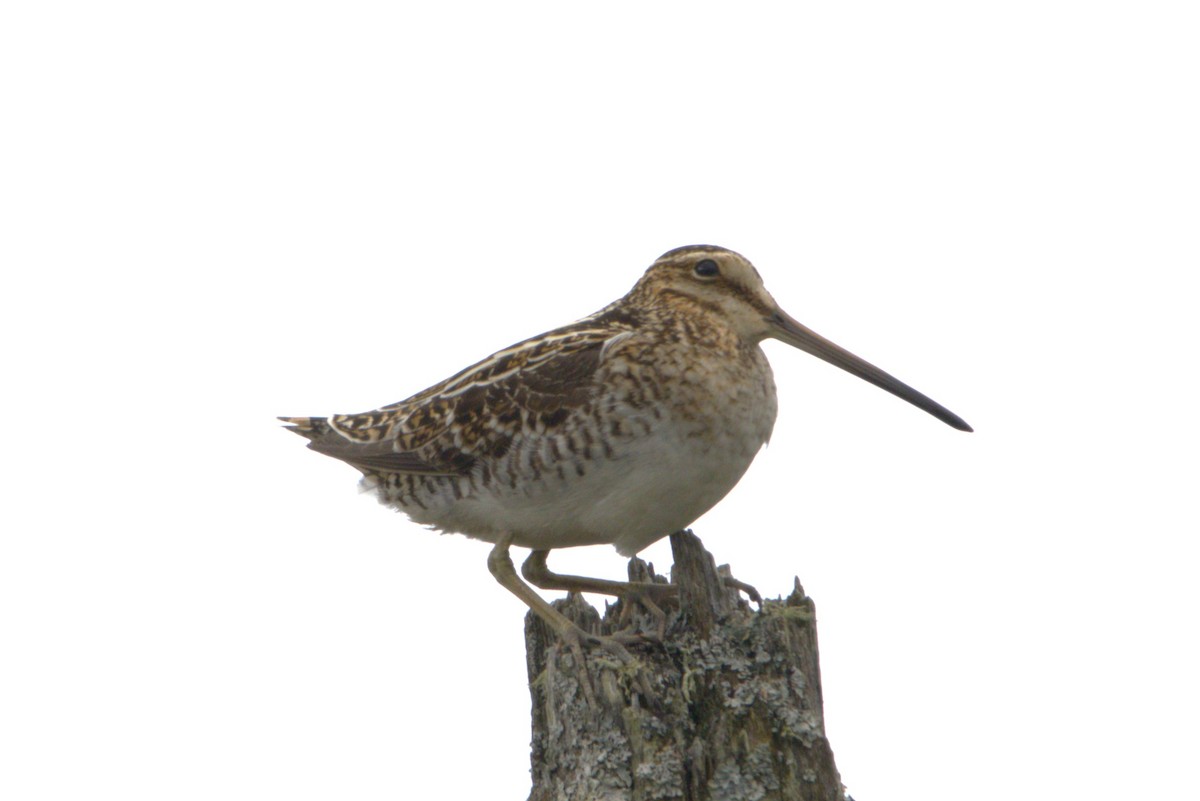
{"x":736,"y":712}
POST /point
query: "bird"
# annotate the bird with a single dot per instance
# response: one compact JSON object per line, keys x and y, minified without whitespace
{"x":617,"y":429}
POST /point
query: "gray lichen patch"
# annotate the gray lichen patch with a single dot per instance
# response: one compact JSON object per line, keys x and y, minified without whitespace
{"x":752,"y":778}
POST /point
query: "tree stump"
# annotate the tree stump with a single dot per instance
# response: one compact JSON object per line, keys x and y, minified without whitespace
{"x":736,"y":713}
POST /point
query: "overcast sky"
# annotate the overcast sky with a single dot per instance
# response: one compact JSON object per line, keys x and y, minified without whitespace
{"x":214,"y":213}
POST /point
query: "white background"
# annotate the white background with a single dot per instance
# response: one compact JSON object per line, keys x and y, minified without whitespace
{"x":218,"y":212}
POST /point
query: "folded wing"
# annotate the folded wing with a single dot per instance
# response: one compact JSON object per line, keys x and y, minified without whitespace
{"x":477,"y":414}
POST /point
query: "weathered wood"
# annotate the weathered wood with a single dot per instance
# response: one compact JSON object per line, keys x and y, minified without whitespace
{"x":737,"y":714}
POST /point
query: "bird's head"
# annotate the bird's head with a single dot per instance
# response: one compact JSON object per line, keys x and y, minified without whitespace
{"x":719,"y":280}
{"x":726,"y":283}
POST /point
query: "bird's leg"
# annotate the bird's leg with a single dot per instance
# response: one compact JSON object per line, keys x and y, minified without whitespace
{"x":536,"y":572}
{"x":648,"y":594}
{"x":501,"y":566}
{"x":539,"y":574}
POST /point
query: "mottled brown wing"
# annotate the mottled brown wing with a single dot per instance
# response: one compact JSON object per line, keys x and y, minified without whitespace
{"x":474,"y":415}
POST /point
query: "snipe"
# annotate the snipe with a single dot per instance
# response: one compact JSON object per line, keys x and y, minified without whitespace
{"x":620,"y":428}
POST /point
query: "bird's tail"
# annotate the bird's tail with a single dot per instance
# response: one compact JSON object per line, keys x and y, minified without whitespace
{"x":311,"y":428}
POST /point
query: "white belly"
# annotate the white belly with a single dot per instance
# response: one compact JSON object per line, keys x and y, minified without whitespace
{"x":647,"y":491}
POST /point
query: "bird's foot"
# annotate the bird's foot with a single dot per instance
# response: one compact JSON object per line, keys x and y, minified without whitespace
{"x":568,"y":631}
{"x":741,"y":586}
{"x":648,"y":598}
{"x":579,"y":642}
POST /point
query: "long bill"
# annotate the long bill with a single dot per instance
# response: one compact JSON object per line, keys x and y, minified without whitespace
{"x":786,"y":329}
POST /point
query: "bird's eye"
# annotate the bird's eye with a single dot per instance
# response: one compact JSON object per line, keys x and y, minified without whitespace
{"x":707,"y":268}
